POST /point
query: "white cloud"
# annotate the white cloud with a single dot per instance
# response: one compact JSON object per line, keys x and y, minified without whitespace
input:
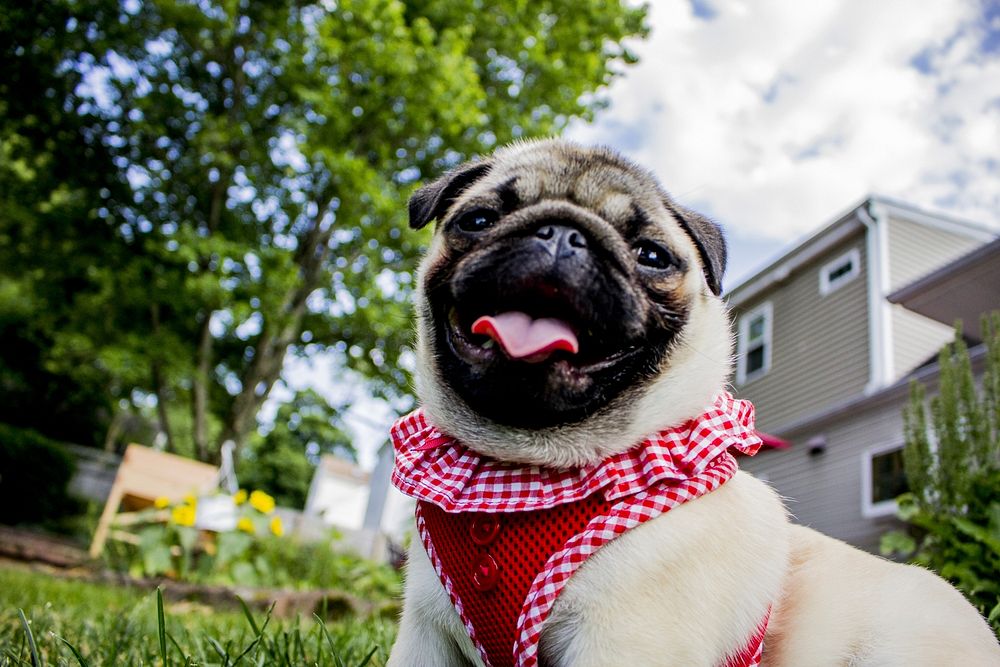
{"x":775,"y":116}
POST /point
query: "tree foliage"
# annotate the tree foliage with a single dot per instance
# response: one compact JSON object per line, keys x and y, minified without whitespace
{"x":49,"y":187}
{"x":952,"y":461}
{"x":192,"y":190}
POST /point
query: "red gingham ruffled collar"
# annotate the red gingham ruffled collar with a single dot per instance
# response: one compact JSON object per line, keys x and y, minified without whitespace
{"x":435,"y":467}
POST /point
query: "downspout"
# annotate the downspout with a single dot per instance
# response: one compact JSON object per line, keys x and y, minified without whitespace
{"x":880,"y":360}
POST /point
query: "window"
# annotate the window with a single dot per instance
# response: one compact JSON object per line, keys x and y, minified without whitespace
{"x":883,"y":479}
{"x":840,"y":271}
{"x":754,"y":344}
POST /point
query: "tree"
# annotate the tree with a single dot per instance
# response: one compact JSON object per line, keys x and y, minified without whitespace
{"x":952,"y":463}
{"x":49,"y":185}
{"x":247,"y":165}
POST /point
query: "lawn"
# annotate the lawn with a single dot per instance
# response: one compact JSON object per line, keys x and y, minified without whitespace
{"x":79,"y":623}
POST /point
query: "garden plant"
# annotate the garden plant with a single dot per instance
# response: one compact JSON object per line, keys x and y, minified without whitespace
{"x":952,"y":461}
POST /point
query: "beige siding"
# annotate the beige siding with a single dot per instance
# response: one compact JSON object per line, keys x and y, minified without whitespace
{"x":914,"y":251}
{"x":823,"y":491}
{"x":916,"y":340}
{"x":820,"y":358}
{"x":819,"y":350}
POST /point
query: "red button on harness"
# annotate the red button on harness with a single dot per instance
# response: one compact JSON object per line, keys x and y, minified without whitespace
{"x":484,"y":529}
{"x":486,"y":574}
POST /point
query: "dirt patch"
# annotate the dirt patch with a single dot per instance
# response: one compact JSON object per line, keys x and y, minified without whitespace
{"x":37,"y":547}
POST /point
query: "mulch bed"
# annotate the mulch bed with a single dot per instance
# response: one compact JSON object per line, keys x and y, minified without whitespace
{"x":37,"y":547}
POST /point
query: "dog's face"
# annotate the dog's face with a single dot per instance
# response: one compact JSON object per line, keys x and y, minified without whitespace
{"x":559,"y":299}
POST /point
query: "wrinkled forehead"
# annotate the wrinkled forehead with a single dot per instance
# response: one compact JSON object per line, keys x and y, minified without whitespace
{"x":593,"y":178}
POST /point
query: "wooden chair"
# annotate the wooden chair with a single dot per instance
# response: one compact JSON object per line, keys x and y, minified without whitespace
{"x":143,"y":476}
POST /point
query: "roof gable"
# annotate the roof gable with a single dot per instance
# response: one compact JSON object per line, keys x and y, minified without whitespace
{"x":849,"y":223}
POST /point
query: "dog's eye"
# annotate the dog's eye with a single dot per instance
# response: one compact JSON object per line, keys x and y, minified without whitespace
{"x":477,"y":220}
{"x":653,"y":255}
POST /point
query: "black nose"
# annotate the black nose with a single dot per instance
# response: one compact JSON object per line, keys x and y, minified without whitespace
{"x":561,"y":240}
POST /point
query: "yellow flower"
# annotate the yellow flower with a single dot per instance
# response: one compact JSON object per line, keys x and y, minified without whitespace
{"x":161,"y":502}
{"x":183,"y":515}
{"x":277,"y":527}
{"x":191,"y":499}
{"x":262,"y":502}
{"x":240,"y":497}
{"x":246,"y":525}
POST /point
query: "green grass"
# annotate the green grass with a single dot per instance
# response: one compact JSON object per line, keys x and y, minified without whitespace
{"x":75,"y":623}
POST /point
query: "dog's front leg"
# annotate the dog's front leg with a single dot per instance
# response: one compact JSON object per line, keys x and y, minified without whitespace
{"x":430,"y":631}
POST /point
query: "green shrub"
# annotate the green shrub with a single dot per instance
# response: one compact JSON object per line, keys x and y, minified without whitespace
{"x":256,"y":553}
{"x":294,"y":564}
{"x":952,"y":459}
{"x":34,"y":472}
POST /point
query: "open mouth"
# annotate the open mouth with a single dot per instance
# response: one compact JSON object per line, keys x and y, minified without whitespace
{"x":482,"y":336}
{"x":525,"y":338}
{"x":532,"y":342}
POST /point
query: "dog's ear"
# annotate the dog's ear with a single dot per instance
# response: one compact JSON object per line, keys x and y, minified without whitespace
{"x":707,"y":236}
{"x":432,"y":200}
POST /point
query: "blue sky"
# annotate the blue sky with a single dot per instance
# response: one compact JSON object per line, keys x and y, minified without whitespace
{"x":776,"y":116}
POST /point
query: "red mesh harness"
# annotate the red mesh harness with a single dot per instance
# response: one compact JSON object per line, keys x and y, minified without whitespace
{"x":492,"y":559}
{"x":504,"y":540}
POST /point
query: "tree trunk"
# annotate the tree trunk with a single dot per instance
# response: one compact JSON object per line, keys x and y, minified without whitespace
{"x":199,"y":389}
{"x":276,"y":337}
{"x":264,"y":371}
{"x":157,"y":378}
{"x":114,"y":431}
{"x":161,"y":406}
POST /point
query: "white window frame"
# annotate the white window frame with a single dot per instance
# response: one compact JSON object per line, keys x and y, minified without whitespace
{"x":827,"y":286}
{"x":869,"y":509}
{"x":767,"y":310}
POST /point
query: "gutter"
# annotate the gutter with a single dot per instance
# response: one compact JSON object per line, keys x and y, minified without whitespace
{"x":945,"y":273}
{"x":880,"y":358}
{"x":904,"y":211}
{"x":783,"y":269}
{"x":927,"y":375}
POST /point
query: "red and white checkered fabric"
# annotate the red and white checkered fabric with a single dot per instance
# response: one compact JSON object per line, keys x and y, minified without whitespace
{"x":433,"y":466}
{"x":661,"y":472}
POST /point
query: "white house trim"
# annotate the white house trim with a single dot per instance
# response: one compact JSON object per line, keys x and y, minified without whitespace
{"x":828,"y":285}
{"x":869,"y":509}
{"x":885,"y":308}
{"x":767,"y":310}
{"x":880,"y":360}
{"x":936,"y":221}
{"x":808,"y":251}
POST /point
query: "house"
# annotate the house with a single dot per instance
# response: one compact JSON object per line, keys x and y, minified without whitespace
{"x":827,"y":343}
{"x":366,"y":510}
{"x":338,"y":493}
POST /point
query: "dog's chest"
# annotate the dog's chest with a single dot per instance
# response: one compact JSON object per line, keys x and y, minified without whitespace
{"x":504,"y":578}
{"x":490,"y":561}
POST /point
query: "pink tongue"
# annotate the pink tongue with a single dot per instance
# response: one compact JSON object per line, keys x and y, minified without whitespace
{"x":524,"y":338}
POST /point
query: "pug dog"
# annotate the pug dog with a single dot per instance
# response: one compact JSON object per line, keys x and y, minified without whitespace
{"x":567,"y":308}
